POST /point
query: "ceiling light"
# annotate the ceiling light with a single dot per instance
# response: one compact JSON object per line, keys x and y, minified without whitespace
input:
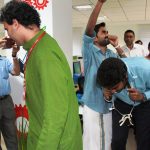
{"x":83,"y":7}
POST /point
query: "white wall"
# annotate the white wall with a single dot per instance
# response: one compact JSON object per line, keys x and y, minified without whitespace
{"x":77,"y":41}
{"x":144,"y":34}
{"x":62,"y":26}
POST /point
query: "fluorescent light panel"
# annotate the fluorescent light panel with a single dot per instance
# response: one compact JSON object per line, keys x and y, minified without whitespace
{"x":83,"y":7}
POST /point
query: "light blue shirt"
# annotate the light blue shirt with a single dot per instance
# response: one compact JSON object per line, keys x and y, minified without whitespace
{"x":138,"y":77}
{"x":93,"y":57}
{"x":5,"y":68}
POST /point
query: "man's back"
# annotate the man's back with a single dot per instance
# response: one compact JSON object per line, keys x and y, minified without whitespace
{"x":137,"y":63}
{"x":51,"y":99}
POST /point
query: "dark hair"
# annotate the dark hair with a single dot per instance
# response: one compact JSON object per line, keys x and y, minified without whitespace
{"x":98,"y":26}
{"x":149,"y":45}
{"x":129,"y":31}
{"x":138,"y":42}
{"x":21,"y":11}
{"x":111,"y":72}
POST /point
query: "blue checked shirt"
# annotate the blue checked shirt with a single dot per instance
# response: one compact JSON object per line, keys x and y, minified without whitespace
{"x":5,"y":68}
{"x":93,"y":57}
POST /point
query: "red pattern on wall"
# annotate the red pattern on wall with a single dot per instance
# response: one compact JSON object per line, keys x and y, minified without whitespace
{"x":21,"y":111}
{"x":37,"y":4}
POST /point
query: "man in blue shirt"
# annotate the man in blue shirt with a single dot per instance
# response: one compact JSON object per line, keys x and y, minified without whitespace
{"x":7,"y":113}
{"x":96,"y":123}
{"x":128,"y":82}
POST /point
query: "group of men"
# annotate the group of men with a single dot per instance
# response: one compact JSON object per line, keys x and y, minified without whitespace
{"x":103,"y":129}
{"x":53,"y":109}
{"x":111,"y":83}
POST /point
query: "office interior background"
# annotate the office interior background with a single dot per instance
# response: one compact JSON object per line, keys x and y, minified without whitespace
{"x":119,"y":16}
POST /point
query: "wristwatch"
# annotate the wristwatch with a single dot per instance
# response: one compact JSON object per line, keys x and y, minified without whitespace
{"x":14,"y":55}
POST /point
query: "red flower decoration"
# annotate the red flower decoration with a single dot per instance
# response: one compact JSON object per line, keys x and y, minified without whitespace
{"x":21,"y":111}
{"x":22,"y":122}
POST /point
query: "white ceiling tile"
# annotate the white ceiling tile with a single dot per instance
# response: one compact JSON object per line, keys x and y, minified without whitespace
{"x":111,"y":4}
{"x":76,"y":14}
{"x":132,"y":3}
{"x":111,"y":13}
{"x":134,"y":18}
{"x":118,"y":18}
{"x":108,"y":4}
{"x":86,"y":12}
{"x":136,"y":9}
{"x":80,"y":2}
{"x":148,"y":3}
{"x":115,"y":10}
{"x":1,"y":3}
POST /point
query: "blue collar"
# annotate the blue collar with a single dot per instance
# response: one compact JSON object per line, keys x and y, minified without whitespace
{"x":99,"y":50}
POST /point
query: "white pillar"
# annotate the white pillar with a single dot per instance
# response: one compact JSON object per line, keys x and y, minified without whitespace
{"x":57,"y":17}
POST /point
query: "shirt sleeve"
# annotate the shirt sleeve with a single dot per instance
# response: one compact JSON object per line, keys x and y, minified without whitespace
{"x":88,"y":42}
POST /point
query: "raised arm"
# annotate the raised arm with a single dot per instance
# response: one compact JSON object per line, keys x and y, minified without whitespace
{"x":93,"y":18}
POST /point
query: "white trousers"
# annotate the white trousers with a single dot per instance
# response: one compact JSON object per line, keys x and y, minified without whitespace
{"x":97,"y":130}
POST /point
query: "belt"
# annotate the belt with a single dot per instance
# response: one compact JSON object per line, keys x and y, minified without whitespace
{"x":3,"y":97}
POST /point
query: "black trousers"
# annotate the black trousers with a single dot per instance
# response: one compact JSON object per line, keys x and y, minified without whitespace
{"x":7,"y":123}
{"x":141,"y":121}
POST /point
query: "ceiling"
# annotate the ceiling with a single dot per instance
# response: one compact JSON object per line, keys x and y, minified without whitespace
{"x":1,"y":3}
{"x":116,"y":11}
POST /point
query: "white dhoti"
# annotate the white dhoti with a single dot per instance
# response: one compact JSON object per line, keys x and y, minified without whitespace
{"x":97,"y":130}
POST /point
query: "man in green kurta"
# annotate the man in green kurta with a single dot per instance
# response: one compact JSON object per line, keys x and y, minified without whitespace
{"x":50,"y":96}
